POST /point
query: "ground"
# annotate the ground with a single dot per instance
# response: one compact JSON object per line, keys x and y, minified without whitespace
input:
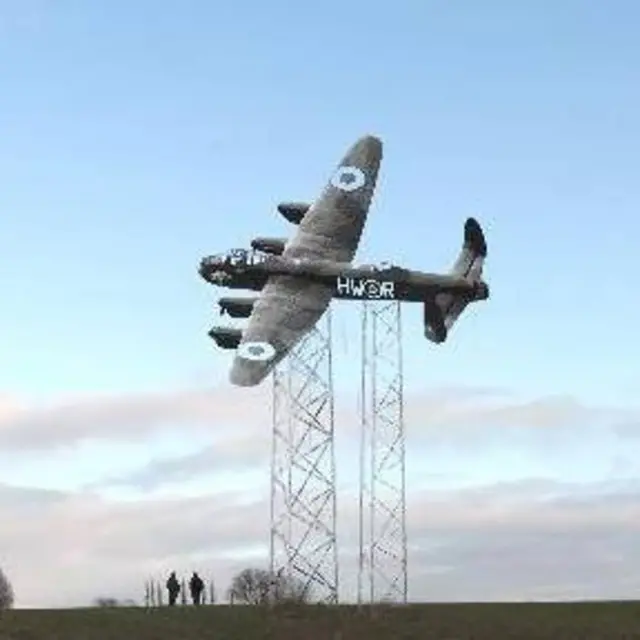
{"x":580,"y":621}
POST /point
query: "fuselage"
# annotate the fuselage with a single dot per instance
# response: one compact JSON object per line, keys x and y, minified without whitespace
{"x":250,"y":270}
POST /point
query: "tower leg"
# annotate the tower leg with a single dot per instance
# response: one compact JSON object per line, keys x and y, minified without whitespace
{"x":382,"y":570}
{"x":303,"y":479}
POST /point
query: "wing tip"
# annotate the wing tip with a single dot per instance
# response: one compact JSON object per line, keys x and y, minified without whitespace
{"x":248,"y":374}
{"x":243,"y":384}
{"x":373,"y":144}
{"x":474,"y":237}
{"x":371,"y":138}
{"x":365,"y":152}
{"x":238,"y":380}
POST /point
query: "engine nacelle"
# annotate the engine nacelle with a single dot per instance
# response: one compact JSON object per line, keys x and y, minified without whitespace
{"x":293,"y":211}
{"x":237,"y":307}
{"x":226,"y":337}
{"x":274,"y":246}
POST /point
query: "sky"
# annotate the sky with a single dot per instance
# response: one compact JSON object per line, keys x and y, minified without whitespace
{"x":137,"y":137}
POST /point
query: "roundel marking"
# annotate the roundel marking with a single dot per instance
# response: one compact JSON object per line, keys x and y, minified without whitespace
{"x":348,"y":178}
{"x":256,"y":351}
{"x":372,"y":287}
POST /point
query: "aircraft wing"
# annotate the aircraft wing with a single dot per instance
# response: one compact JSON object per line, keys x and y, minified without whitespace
{"x":288,"y":307}
{"x":332,"y":227}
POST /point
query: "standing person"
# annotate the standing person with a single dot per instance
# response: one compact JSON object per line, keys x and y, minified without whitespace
{"x":173,"y":587}
{"x":196,"y":586}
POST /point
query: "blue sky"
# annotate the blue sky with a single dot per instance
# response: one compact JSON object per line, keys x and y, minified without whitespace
{"x":137,"y":137}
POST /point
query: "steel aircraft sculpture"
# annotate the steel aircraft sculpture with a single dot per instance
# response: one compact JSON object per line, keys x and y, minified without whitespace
{"x":297,"y":279}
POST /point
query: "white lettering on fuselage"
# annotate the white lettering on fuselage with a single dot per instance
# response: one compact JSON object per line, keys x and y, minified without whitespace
{"x":364,"y":288}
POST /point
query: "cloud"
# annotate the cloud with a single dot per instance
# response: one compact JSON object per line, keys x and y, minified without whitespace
{"x":220,"y":412}
{"x":462,"y":419}
{"x":628,"y":429}
{"x":131,"y":417}
{"x":15,"y":498}
{"x":236,"y":454}
{"x":99,"y":545}
{"x":559,"y":565}
{"x":233,"y":427}
{"x":508,"y":540}
{"x":538,"y":506}
{"x":546,"y":425}
{"x":490,"y":409}
{"x":534,"y":539}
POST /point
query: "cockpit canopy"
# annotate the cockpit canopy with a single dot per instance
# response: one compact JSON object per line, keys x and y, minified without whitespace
{"x":221,"y":260}
{"x":231,"y":261}
{"x":237,"y":257}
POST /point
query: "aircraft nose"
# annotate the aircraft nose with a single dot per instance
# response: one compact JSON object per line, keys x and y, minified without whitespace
{"x":206,"y":268}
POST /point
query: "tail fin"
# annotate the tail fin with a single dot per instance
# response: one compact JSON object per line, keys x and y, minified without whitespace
{"x":474,"y":251}
{"x":442,"y":312}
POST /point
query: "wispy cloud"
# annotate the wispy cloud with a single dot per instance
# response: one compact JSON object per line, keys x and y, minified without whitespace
{"x":231,"y":455}
{"x":460,"y":538}
{"x":510,"y":540}
{"x":130,"y":417}
{"x":222,"y":410}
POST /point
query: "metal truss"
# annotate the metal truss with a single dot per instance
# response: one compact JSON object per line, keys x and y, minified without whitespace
{"x":382,"y":570}
{"x":303,"y":480}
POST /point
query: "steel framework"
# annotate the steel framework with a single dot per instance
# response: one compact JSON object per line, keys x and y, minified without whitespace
{"x":303,"y":469}
{"x":382,"y":570}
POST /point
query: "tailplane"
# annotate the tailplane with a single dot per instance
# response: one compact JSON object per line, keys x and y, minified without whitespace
{"x":442,"y":311}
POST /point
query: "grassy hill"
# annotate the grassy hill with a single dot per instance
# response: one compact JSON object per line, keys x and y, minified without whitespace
{"x":575,"y":621}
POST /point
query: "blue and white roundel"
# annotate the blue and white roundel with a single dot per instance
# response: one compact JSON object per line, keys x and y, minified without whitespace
{"x":348,"y":178}
{"x":256,"y":351}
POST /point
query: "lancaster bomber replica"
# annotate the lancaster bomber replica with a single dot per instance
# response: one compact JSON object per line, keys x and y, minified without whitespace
{"x":297,"y":279}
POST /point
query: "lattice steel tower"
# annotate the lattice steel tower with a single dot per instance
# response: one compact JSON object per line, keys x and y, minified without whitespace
{"x":303,"y":477}
{"x":382,"y":570}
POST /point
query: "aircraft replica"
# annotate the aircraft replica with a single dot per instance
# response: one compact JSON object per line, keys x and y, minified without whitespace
{"x":298,"y":279}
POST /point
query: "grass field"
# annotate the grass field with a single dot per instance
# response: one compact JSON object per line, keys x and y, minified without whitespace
{"x":579,"y":621}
